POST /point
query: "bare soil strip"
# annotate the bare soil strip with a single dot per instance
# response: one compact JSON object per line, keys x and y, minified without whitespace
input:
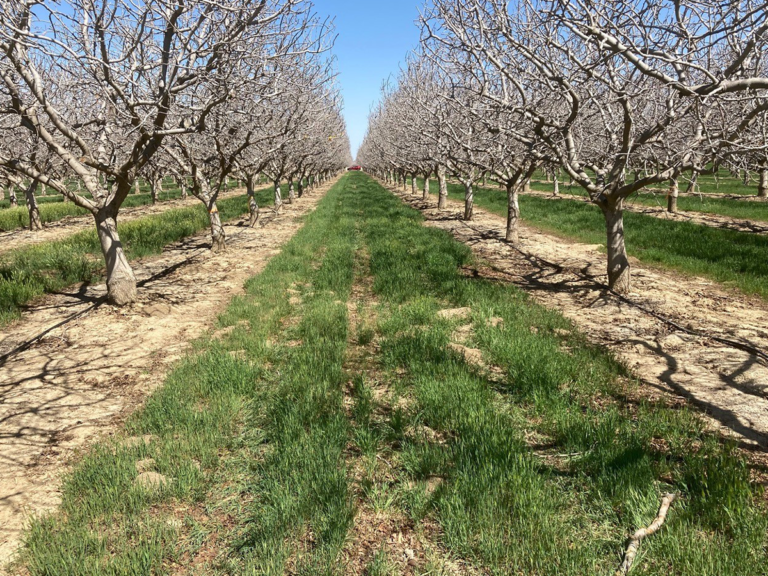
{"x":729,"y":384}
{"x":74,"y":367}
{"x":22,"y":237}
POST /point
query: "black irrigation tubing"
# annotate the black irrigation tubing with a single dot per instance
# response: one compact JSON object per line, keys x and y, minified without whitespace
{"x":732,"y":343}
{"x":27,"y":344}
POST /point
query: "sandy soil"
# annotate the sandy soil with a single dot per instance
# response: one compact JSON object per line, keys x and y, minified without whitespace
{"x":727,"y":383}
{"x":66,"y":380}
{"x":69,"y":225}
{"x":705,"y":219}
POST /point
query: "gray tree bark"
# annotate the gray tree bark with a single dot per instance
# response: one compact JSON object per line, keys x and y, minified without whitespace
{"x":672,"y":195}
{"x":153,"y":189}
{"x":218,"y":238}
{"x":278,"y":198}
{"x":618,"y":262}
{"x":692,"y":184}
{"x":34,"y":212}
{"x":291,"y":192}
{"x":442,"y":200}
{"x":469,"y":201}
{"x":762,"y":187}
{"x":253,"y":206}
{"x":513,"y":214}
{"x":121,"y":282}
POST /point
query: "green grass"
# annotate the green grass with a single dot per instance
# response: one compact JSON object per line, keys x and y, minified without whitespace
{"x":722,"y":183}
{"x":47,"y":267}
{"x":731,"y":207}
{"x":13,"y":218}
{"x":273,"y":440}
{"x":736,"y":259}
{"x":53,"y":208}
{"x":279,"y":439}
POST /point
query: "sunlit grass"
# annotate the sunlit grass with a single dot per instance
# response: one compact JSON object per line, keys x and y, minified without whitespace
{"x":26,"y":273}
{"x":734,"y":258}
{"x":541,"y":466}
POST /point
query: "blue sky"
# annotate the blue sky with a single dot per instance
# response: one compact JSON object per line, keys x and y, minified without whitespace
{"x":374,"y":38}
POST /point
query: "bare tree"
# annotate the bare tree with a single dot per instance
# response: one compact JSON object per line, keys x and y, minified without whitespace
{"x":98,"y":81}
{"x":612,"y":86}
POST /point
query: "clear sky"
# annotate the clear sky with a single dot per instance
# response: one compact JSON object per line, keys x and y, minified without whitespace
{"x":374,"y":38}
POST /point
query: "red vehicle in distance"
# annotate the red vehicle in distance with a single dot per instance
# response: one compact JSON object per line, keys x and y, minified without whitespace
{"x":354,"y":168}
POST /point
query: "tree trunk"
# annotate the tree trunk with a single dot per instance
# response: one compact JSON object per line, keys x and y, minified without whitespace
{"x":121,"y":283}
{"x":218,"y":238}
{"x":469,"y":201}
{"x":414,"y":186}
{"x":557,"y":186}
{"x":253,"y":206}
{"x":762,"y":187}
{"x":34,"y":212}
{"x":301,"y":186}
{"x":425,"y":194}
{"x":618,"y":263}
{"x":485,"y":179}
{"x":692,"y":183}
{"x":672,"y":195}
{"x":442,"y":200}
{"x":2,"y":193}
{"x":136,"y":188}
{"x":183,"y":186}
{"x":513,"y":215}
{"x":12,"y":196}
{"x":153,"y":190}
{"x":278,"y":198}
{"x":405,"y":182}
{"x":291,"y":192}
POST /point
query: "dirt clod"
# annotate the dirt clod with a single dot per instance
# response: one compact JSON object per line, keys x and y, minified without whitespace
{"x":471,"y":356}
{"x":145,"y":465}
{"x":455,"y":313}
{"x":150,"y":480}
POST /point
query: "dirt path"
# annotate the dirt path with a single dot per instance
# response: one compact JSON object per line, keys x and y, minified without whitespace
{"x":65,"y":379}
{"x":71,"y":224}
{"x":702,"y":218}
{"x":729,"y":384}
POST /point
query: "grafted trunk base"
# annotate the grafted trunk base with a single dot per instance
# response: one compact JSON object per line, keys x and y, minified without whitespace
{"x":218,"y":238}
{"x":121,"y":282}
{"x":442,"y":198}
{"x":513,"y":215}
{"x":469,"y":202}
{"x":673,"y":194}
{"x":619,"y":277}
{"x":762,"y":187}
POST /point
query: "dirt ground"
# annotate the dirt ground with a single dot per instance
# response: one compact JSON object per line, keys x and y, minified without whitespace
{"x":728,"y":384}
{"x":69,"y":225}
{"x":66,"y":380}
